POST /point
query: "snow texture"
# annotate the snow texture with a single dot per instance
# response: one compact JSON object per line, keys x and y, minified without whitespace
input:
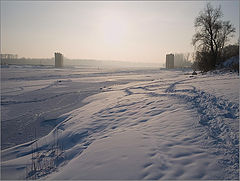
{"x":145,"y":124}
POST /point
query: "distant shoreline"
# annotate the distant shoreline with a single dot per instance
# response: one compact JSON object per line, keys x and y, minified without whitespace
{"x":77,"y":62}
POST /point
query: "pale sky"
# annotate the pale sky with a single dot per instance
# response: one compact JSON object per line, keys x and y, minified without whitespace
{"x":139,"y":31}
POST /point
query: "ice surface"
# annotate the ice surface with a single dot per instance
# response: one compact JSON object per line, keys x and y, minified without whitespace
{"x":145,"y":124}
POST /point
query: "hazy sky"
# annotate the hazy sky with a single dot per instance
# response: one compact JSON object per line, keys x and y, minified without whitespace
{"x":110,"y":30}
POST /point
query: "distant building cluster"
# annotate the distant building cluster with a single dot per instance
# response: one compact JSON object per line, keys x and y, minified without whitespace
{"x":58,"y":60}
{"x":177,"y":60}
{"x":8,"y":56}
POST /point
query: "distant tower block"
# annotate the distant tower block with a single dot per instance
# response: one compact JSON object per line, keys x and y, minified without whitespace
{"x":169,"y":61}
{"x":58,"y":60}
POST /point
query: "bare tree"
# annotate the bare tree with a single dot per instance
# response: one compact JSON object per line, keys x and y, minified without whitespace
{"x":212,"y":33}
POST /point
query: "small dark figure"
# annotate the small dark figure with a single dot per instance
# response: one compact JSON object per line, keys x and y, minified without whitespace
{"x":194,"y":73}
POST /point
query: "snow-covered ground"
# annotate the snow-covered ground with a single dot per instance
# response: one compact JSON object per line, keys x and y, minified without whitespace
{"x":35,"y":96}
{"x":129,"y":124}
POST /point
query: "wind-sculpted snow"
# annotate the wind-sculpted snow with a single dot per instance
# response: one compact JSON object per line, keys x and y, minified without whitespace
{"x":165,"y":127}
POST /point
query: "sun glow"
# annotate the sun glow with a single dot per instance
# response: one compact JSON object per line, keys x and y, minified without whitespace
{"x":114,"y":28}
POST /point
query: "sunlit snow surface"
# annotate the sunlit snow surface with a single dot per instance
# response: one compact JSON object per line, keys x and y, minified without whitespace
{"x":134,"y":124}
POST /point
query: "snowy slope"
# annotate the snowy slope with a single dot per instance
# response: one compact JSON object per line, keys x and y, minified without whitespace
{"x":166,"y":125}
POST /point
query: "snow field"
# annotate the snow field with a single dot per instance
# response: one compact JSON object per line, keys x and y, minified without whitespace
{"x":165,"y":126}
